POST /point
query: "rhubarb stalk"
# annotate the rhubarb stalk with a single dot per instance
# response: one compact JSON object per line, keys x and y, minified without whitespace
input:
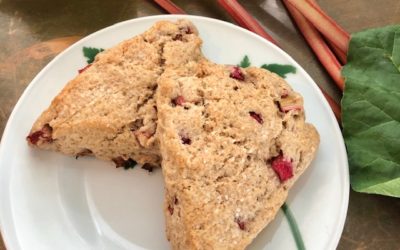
{"x":325,"y":24}
{"x":341,"y":55}
{"x":318,"y":45}
{"x":169,"y":6}
{"x":334,"y":106}
{"x":338,"y":52}
{"x":244,"y":19}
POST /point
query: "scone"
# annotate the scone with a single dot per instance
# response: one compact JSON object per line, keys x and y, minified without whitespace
{"x":233,"y":142}
{"x":109,"y":110}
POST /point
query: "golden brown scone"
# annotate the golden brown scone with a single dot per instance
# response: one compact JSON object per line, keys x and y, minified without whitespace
{"x":109,"y":110}
{"x":233,"y":142}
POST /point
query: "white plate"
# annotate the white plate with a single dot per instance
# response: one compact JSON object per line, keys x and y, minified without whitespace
{"x":50,"y":201}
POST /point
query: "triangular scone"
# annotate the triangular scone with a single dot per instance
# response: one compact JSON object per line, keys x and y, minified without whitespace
{"x":109,"y":110}
{"x":233,"y":142}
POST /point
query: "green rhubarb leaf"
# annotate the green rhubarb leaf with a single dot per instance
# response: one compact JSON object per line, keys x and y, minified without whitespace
{"x":280,"y":69}
{"x":90,"y":53}
{"x":245,"y":62}
{"x":371,"y":110}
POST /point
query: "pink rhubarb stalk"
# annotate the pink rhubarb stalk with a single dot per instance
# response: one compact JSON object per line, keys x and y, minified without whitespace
{"x":244,"y":19}
{"x":169,"y":6}
{"x":341,"y":55}
{"x":334,"y":106}
{"x":325,"y":24}
{"x":318,"y":45}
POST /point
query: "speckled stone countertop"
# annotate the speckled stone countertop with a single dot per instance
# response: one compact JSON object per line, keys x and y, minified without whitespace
{"x":33,"y":32}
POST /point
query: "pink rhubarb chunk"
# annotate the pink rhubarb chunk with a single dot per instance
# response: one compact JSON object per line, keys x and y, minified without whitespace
{"x":237,"y":73}
{"x":283,"y":167}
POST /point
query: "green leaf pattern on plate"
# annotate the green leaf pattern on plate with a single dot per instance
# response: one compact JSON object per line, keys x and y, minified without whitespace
{"x":293,"y":227}
{"x":90,"y":53}
{"x":280,"y":69}
{"x":245,"y":62}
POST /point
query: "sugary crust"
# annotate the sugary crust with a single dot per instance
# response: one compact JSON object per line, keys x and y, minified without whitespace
{"x":221,"y":190}
{"x":110,"y":109}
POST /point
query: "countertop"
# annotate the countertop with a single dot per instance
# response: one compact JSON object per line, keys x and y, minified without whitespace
{"x":32,"y":33}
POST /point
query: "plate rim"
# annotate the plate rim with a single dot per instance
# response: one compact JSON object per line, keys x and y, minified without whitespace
{"x":6,"y":215}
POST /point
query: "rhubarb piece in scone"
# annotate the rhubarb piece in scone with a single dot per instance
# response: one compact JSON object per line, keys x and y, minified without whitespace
{"x":109,"y":110}
{"x":231,"y":151}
